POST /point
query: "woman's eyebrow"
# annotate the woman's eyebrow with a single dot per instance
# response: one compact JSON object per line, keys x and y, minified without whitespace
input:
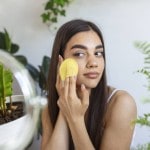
{"x":79,"y":46}
{"x":84,"y":47}
{"x":99,"y":47}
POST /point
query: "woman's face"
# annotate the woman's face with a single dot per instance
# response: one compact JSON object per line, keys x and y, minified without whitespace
{"x":86,"y":48}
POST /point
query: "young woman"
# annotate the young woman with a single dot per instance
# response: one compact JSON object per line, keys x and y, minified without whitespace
{"x":83,"y":112}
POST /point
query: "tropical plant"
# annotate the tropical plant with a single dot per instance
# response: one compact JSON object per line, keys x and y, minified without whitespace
{"x":6,"y":79}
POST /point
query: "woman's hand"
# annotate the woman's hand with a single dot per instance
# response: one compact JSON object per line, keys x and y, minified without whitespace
{"x":72,"y":107}
{"x":73,"y":103}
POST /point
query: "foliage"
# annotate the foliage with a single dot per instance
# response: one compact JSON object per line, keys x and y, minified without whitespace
{"x":12,"y":48}
{"x":144,"y":120}
{"x":6,"y":79}
{"x":7,"y":45}
{"x":38,"y":74}
{"x":142,"y":147}
{"x":43,"y":74}
{"x":53,"y":9}
{"x":144,"y":47}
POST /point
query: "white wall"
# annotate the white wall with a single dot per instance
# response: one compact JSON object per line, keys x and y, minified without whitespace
{"x":122,"y":22}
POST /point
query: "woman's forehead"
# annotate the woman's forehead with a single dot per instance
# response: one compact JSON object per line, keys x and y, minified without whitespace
{"x":87,"y":37}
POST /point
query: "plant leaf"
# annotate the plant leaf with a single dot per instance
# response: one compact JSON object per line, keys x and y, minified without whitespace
{"x":6,"y":79}
{"x":45,"y":65}
{"x":7,"y":41}
{"x":21,"y":59}
{"x":14,"y":48}
{"x":33,"y":72}
{"x":1,"y":81}
{"x":2,"y":41}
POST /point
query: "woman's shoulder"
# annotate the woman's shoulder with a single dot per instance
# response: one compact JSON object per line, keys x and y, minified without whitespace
{"x":121,"y":105}
{"x":119,"y":96}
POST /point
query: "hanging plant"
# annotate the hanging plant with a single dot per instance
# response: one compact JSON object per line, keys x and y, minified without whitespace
{"x":53,"y":9}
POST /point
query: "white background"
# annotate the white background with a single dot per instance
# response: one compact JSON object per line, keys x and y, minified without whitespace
{"x":121,"y":21}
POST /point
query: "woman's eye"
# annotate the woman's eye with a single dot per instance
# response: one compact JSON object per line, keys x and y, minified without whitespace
{"x":99,"y":53}
{"x":78,"y":54}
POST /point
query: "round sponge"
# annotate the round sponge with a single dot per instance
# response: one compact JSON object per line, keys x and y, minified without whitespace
{"x":68,"y":68}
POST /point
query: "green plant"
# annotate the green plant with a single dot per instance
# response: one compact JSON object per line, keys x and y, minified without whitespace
{"x":144,"y":47}
{"x":43,"y":74}
{"x":53,"y":9}
{"x":38,"y":74}
{"x":142,"y":147}
{"x":144,"y":120}
{"x":6,"y":79}
{"x":8,"y":46}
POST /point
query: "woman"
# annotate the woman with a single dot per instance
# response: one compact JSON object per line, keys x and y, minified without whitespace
{"x":83,"y":112}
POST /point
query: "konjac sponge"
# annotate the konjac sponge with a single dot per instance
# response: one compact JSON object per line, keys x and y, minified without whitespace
{"x":68,"y":68}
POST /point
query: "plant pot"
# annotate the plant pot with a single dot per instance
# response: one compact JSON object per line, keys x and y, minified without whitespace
{"x":12,"y":132}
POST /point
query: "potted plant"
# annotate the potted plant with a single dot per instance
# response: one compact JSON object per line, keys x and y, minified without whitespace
{"x":9,"y":110}
{"x":38,"y":74}
{"x":10,"y":132}
{"x":11,"y":106}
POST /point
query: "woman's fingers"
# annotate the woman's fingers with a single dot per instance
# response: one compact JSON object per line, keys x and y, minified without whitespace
{"x":84,"y":96}
{"x":72,"y":87}
{"x":58,"y":80}
{"x":66,"y":88}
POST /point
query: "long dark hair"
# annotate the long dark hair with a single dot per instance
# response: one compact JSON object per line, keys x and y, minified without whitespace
{"x":98,"y":97}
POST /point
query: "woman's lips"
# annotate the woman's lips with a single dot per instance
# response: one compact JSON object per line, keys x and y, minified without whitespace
{"x":91,"y":75}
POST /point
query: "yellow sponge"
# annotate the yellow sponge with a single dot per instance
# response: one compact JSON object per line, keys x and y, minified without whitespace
{"x":68,"y":68}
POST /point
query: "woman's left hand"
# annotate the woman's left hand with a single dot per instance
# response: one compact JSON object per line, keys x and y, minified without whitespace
{"x":72,"y":106}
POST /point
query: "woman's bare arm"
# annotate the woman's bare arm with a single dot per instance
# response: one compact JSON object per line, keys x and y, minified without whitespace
{"x":74,"y":108}
{"x":119,"y":129}
{"x":57,"y":138}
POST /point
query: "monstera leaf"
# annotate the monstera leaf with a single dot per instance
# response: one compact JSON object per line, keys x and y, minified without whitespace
{"x":6,"y":79}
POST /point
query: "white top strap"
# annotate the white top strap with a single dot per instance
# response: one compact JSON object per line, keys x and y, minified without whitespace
{"x":111,"y":95}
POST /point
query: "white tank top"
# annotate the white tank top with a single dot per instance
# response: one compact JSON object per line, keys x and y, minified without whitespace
{"x":111,"y":95}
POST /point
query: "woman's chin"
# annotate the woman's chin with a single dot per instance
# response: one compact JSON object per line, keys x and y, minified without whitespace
{"x":90,"y":86}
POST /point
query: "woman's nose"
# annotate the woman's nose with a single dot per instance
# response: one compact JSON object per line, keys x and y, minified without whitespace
{"x":92,"y":63}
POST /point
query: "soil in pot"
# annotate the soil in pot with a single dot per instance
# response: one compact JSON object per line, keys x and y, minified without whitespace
{"x":16,"y":112}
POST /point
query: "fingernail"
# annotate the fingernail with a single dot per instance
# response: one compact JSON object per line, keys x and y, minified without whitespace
{"x":59,"y":57}
{"x":82,"y":86}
